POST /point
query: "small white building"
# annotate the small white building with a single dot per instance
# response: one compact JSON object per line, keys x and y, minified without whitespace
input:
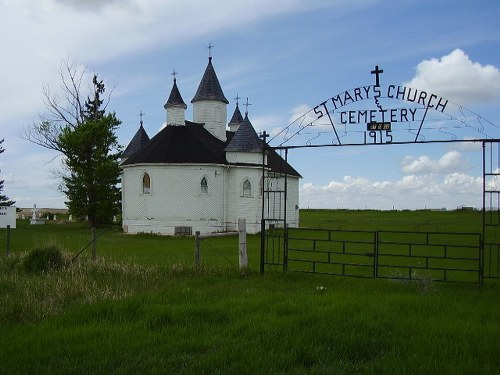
{"x":200,"y":176}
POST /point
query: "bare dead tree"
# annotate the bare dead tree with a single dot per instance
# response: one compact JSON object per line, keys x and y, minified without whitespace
{"x":64,"y":108}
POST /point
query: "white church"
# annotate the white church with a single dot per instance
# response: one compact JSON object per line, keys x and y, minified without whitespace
{"x":204,"y":175}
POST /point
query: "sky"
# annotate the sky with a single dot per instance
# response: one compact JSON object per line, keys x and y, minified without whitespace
{"x":287,"y":57}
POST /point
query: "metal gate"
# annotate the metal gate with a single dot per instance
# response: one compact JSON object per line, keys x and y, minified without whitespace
{"x":491,"y":208}
{"x":437,"y":256}
{"x":273,"y":222}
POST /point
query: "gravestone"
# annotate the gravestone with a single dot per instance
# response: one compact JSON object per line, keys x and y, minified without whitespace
{"x":35,"y":220}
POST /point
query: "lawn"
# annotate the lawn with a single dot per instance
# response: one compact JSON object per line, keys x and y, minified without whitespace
{"x":142,"y":307}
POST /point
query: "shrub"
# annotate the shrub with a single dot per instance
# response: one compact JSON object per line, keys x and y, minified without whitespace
{"x":43,"y":259}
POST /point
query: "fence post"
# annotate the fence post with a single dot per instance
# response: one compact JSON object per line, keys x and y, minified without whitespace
{"x":8,"y":240}
{"x":242,"y":230}
{"x":262,"y":245}
{"x":93,"y":244}
{"x":197,"y":241}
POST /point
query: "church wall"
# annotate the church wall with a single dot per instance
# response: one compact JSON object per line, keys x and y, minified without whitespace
{"x":292,"y":207}
{"x":175,"y":199}
{"x":244,"y":157}
{"x":244,"y":207}
{"x":213,"y":114}
{"x":176,"y":115}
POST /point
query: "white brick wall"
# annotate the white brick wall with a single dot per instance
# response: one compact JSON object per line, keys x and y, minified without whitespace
{"x":244,"y":157}
{"x":176,"y":115}
{"x":213,"y":114}
{"x":175,"y":198}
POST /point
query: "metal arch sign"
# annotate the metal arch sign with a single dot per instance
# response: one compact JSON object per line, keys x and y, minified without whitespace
{"x":384,"y":114}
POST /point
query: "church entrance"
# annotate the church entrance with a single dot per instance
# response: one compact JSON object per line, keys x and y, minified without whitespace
{"x":383,"y":115}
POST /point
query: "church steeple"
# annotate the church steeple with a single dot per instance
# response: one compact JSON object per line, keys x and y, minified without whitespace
{"x":175,"y":105}
{"x":245,"y":139}
{"x":210,"y":104}
{"x":140,"y":139}
{"x":209,"y":88}
{"x":237,"y":118}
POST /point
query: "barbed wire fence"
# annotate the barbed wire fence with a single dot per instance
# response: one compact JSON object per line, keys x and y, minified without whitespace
{"x":232,"y":252}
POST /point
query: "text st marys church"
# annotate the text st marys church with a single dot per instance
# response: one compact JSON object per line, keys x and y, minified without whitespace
{"x":203,"y":175}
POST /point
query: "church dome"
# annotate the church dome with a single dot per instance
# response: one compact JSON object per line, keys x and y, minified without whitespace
{"x":209,"y":88}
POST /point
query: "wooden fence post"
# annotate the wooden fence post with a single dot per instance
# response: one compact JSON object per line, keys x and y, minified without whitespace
{"x":8,"y":240}
{"x":197,"y":240}
{"x":93,"y":244}
{"x":242,"y":230}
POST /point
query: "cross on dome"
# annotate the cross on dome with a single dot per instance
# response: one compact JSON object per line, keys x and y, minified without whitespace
{"x":141,"y":114}
{"x":210,"y":46}
{"x":246,"y":105}
{"x":237,"y":99}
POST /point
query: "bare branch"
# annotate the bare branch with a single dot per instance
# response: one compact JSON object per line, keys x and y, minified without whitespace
{"x":64,"y":110}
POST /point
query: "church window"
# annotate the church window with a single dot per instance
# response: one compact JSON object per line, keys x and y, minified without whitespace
{"x":218,"y":114}
{"x":204,"y":185}
{"x":247,"y":188}
{"x":146,"y":184}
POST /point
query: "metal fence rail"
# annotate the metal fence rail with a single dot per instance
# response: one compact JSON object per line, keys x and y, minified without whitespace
{"x":440,"y":256}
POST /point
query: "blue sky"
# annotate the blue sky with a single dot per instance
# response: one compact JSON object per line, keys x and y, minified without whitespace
{"x":287,"y":57}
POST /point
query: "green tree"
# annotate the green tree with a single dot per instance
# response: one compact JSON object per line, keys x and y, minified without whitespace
{"x":93,"y":169}
{"x":84,"y":134}
{"x":4,"y":201}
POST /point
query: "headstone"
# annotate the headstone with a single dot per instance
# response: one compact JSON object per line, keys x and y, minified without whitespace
{"x":70,"y":218}
{"x":34,"y":219}
{"x":23,"y":217}
{"x":114,"y":219}
{"x":54,"y":217}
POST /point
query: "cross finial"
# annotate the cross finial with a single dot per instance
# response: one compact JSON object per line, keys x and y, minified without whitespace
{"x":246,"y":105}
{"x":174,"y":73}
{"x":141,"y":114}
{"x":210,"y":46}
{"x":264,"y":136}
{"x":237,"y":99}
{"x":377,"y":73}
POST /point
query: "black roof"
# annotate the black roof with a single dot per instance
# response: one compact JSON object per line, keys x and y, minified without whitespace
{"x":278,"y":164}
{"x":175,"y":98}
{"x":245,"y":139}
{"x":138,"y":141}
{"x":237,"y":117}
{"x":192,"y":143}
{"x":209,"y":88}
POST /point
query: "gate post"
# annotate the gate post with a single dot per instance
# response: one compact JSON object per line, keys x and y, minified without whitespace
{"x":285,"y":247}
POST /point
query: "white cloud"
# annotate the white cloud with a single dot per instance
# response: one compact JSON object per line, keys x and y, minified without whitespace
{"x":411,"y":192}
{"x":459,"y":79}
{"x":451,"y":161}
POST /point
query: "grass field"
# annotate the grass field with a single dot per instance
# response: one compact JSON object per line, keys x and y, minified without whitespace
{"x":143,"y":308}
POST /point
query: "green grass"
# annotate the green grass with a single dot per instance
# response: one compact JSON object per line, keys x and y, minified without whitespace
{"x":142,"y":307}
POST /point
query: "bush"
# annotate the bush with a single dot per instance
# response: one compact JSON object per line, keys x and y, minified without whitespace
{"x":44,"y":259}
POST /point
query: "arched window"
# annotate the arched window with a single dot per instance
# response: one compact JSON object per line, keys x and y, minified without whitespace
{"x":261,"y":186}
{"x":218,"y":115}
{"x":204,"y":185}
{"x":247,"y":188}
{"x":146,"y":184}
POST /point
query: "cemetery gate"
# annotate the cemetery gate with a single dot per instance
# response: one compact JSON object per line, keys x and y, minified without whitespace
{"x":346,"y":120}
